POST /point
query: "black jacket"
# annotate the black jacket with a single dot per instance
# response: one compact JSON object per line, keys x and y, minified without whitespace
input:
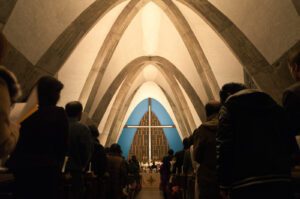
{"x":254,"y":143}
{"x":43,"y":140}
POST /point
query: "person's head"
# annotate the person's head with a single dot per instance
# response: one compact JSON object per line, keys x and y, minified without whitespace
{"x":48,"y":89}
{"x":133,"y":158}
{"x":12,"y":84}
{"x":230,"y":89}
{"x":94,"y":131}
{"x":74,"y":110}
{"x":186,"y":143}
{"x":2,"y":47}
{"x":294,"y":65}
{"x":212,"y":107}
{"x":115,"y":149}
{"x":170,"y":152}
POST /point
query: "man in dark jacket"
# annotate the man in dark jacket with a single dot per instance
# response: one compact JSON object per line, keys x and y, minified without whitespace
{"x":41,"y":148}
{"x":80,"y":148}
{"x":254,"y":145}
{"x":204,"y":140}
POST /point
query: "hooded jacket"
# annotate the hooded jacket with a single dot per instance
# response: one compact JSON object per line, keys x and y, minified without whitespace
{"x":254,"y":143}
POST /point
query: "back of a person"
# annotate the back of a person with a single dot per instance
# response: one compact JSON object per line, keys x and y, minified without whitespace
{"x":78,"y":139}
{"x":261,"y":141}
{"x":179,"y":156}
{"x":117,"y":176}
{"x":42,"y":138}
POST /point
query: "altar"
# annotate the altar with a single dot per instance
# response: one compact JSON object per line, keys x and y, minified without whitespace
{"x":150,"y":180}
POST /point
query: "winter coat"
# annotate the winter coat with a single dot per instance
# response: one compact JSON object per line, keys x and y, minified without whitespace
{"x":205,"y":149}
{"x":254,"y":144}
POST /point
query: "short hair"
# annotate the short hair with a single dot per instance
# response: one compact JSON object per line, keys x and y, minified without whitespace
{"x":230,"y":89}
{"x":11,"y":82}
{"x":170,"y":152}
{"x":48,"y":89}
{"x":74,"y":109}
{"x":3,"y":44}
{"x":294,"y":60}
{"x":212,"y":107}
{"x":115,"y":149}
{"x":94,"y":131}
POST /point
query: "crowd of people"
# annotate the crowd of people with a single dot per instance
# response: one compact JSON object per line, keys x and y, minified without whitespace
{"x":245,"y":149}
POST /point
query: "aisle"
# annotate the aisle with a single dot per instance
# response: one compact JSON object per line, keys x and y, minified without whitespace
{"x":149,"y":193}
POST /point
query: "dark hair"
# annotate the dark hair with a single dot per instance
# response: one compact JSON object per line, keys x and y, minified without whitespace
{"x":170,"y":152}
{"x":294,"y":60}
{"x":2,"y":46}
{"x":186,"y":143}
{"x":212,"y":107}
{"x":230,"y":89}
{"x":115,"y":149}
{"x":94,"y":131}
{"x":74,"y":109}
{"x":11,"y":83}
{"x":48,"y":89}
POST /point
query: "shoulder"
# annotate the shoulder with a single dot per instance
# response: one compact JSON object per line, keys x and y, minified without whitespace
{"x":291,"y":94}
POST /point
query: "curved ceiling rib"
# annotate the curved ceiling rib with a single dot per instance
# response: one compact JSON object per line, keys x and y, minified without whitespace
{"x":130,"y":72}
{"x":116,"y":127}
{"x":252,"y":60}
{"x":106,"y":52}
{"x":133,"y":68}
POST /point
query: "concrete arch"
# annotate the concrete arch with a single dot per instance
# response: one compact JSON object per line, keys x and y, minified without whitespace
{"x":116,"y":126}
{"x":105,"y":54}
{"x":129,"y":73}
{"x":255,"y":64}
{"x":133,"y":68}
{"x":253,"y":61}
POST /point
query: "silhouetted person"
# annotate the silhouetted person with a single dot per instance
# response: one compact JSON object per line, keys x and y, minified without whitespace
{"x":253,"y":145}
{"x":116,"y":166}
{"x":205,"y":152}
{"x":42,"y":145}
{"x":99,"y":159}
{"x":165,"y":173}
{"x":80,"y":148}
{"x":9,"y":92}
{"x":291,"y":96}
{"x":179,"y":156}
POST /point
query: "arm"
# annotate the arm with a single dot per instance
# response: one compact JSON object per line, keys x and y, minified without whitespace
{"x":86,"y":146}
{"x":62,"y":142}
{"x":224,"y":149}
{"x":9,"y":132}
{"x":199,"y":144}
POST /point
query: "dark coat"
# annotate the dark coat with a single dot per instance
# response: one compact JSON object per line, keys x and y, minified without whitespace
{"x":80,"y":146}
{"x":205,"y":154}
{"x":254,"y":144}
{"x":291,"y":103}
{"x":205,"y":149}
{"x":43,"y":140}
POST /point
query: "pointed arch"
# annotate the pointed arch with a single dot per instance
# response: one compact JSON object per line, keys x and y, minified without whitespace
{"x":106,"y":52}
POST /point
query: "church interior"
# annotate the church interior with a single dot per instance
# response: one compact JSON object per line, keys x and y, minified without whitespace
{"x":144,"y":70}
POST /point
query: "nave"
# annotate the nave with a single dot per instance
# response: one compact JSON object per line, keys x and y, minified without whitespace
{"x":185,"y":99}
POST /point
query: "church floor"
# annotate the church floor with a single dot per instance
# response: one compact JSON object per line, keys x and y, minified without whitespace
{"x":150,"y":193}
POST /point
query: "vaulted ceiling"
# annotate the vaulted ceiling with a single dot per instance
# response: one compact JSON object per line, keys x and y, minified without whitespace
{"x":112,"y":54}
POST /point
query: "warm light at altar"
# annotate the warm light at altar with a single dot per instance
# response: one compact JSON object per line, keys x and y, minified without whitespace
{"x":151,"y":17}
